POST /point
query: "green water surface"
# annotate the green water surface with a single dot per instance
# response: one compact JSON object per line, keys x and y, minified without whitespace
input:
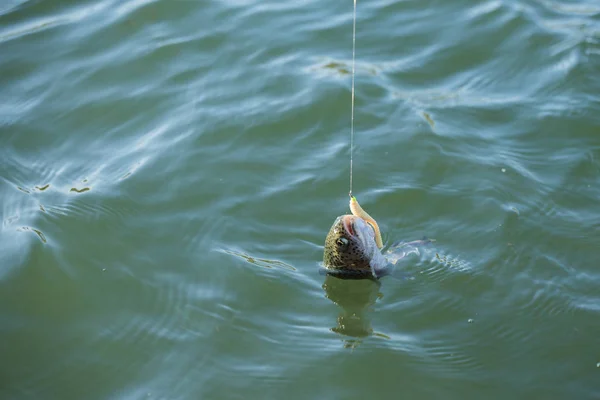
{"x":169,"y":170}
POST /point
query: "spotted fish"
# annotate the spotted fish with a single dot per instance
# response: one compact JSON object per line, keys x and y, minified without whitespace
{"x":352,"y":247}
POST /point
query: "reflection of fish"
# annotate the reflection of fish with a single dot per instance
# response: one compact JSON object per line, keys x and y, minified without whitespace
{"x":352,"y":247}
{"x":355,"y":298}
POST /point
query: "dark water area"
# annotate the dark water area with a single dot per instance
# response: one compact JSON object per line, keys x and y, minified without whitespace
{"x":169,"y":171}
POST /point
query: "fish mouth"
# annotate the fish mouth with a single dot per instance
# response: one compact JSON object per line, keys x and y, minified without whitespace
{"x":348,"y":222}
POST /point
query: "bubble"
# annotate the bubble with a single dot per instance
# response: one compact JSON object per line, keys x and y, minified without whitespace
{"x":470,"y":320}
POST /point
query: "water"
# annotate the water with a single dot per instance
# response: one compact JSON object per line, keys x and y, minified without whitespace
{"x":169,"y":171}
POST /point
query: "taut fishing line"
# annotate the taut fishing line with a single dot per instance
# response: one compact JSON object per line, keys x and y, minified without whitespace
{"x":352,"y":112}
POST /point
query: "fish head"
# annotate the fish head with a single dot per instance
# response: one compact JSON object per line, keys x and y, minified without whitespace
{"x":350,"y":244}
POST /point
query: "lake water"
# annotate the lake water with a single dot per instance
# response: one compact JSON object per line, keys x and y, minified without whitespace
{"x":169,"y":171}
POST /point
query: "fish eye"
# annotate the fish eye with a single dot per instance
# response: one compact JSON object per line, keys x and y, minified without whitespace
{"x":342,"y":242}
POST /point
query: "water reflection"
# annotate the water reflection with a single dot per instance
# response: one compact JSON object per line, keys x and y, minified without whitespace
{"x":355,"y":299}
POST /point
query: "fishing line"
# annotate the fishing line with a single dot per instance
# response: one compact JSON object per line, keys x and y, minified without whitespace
{"x":352,"y":112}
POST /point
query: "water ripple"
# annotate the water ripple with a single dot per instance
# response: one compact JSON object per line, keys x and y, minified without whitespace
{"x":170,"y":169}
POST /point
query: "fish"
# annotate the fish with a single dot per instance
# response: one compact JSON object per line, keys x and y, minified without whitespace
{"x":353,"y":247}
{"x":351,"y":250}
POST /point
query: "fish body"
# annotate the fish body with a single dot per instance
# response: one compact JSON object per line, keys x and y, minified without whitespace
{"x":351,"y":250}
{"x":352,"y":247}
